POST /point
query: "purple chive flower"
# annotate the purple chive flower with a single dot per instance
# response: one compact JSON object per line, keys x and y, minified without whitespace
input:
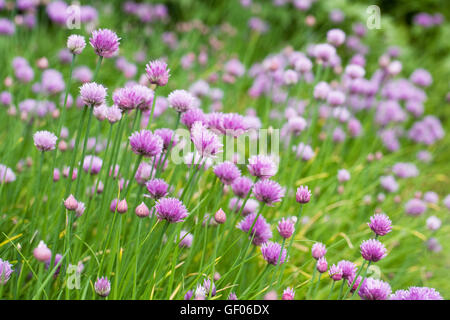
{"x":288,"y":294}
{"x":5,"y":271}
{"x":250,"y":207}
{"x":286,"y":228}
{"x":431,"y":197}
{"x":188,"y":295}
{"x":335,"y":273}
{"x":348,"y":269}
{"x":92,"y":164}
{"x":271,"y":253}
{"x":168,"y":137}
{"x":181,"y":100}
{"x":232,"y":296}
{"x":261,"y":230}
{"x":433,"y":223}
{"x":356,"y":284}
{"x":133,"y":97}
{"x":318,"y":250}
{"x":102,"y":287}
{"x":142,"y":210}
{"x":389,"y":183}
{"x":380,"y":224}
{"x":372,"y":250}
{"x":336,"y":37}
{"x":189,"y":117}
{"x":76,"y":44}
{"x":415,"y":207}
{"x":206,"y":142}
{"x":374,"y":289}
{"x":71,"y":203}
{"x":170,"y":209}
{"x":42,"y":253}
{"x":93,"y":94}
{"x":220,"y":216}
{"x":233,"y":124}
{"x":157,"y":72}
{"x":6,"y":174}
{"x":303,"y":195}
{"x":417,"y":293}
{"x":209,"y":286}
{"x":105,"y":42}
{"x":227,"y":172}
{"x":185,"y":239}
{"x":421,"y":77}
{"x":343,"y":175}
{"x":113,"y":114}
{"x":268,"y":191}
{"x":241,"y":186}
{"x":157,"y":188}
{"x":262,"y":167}
{"x":146,"y":143}
{"x":322,"y":265}
{"x":44,"y":140}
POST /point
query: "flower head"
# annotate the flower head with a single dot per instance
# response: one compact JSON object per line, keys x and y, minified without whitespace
{"x":348,"y":268}
{"x":380,"y":224}
{"x":181,"y":100}
{"x":262,"y":167}
{"x":303,"y":195}
{"x":417,"y":293}
{"x":93,"y":94}
{"x":102,"y":286}
{"x":374,"y":289}
{"x":227,"y":172}
{"x":146,"y":143}
{"x":5,"y":271}
{"x":268,"y":191}
{"x":318,"y":250}
{"x":171,"y":209}
{"x":76,"y":43}
{"x":44,"y":140}
{"x":335,"y":273}
{"x":288,"y":294}
{"x":271,"y":252}
{"x":105,"y":42}
{"x":261,"y":232}
{"x":206,"y":142}
{"x":133,"y":97}
{"x":241,"y":186}
{"x":286,"y":228}
{"x":157,"y":72}
{"x":42,"y":253}
{"x":322,"y":265}
{"x":372,"y":250}
{"x":157,"y":188}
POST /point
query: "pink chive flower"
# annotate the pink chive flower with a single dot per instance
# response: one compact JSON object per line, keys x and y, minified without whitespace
{"x":303,"y":195}
{"x":415,"y":207}
{"x":336,"y":37}
{"x":335,"y":273}
{"x":42,"y":253}
{"x":146,"y":143}
{"x":6,"y":174}
{"x":372,"y":250}
{"x":417,"y":293}
{"x":241,"y":186}
{"x":93,"y":94}
{"x":168,"y":136}
{"x":262,"y":167}
{"x":220,"y":216}
{"x":343,"y":175}
{"x":71,"y":203}
{"x":181,"y":100}
{"x":380,"y":224}
{"x":318,"y":250}
{"x":286,"y":228}
{"x":261,"y":232}
{"x":92,"y":164}
{"x":206,"y":142}
{"x":348,"y":268}
{"x":105,"y":42}
{"x":142,"y":210}
{"x":133,"y":97}
{"x":76,"y":44}
{"x":157,"y":188}
{"x":113,"y":114}
{"x":102,"y":287}
{"x":5,"y":271}
{"x":227,"y":172}
{"x":186,"y":239}
{"x":322,"y":265}
{"x":374,"y":289}
{"x":288,"y":294}
{"x":170,"y":209}
{"x":271,"y":252}
{"x":268,"y":191}
{"x":189,"y":117}
{"x":44,"y":140}
{"x":157,"y":72}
